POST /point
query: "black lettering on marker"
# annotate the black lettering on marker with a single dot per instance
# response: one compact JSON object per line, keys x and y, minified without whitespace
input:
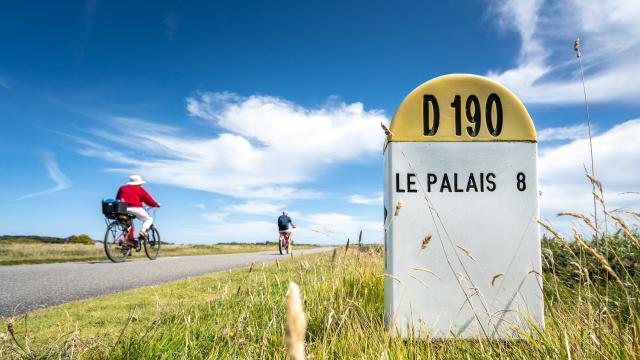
{"x":455,"y":183}
{"x":398,"y":183}
{"x":471,"y":183}
{"x":492,"y":186}
{"x":411,"y":182}
{"x":431,"y":180}
{"x":481,"y":182}
{"x":428,"y":128}
{"x":445,"y":183}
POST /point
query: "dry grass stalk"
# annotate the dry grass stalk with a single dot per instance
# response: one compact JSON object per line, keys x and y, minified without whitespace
{"x":601,"y":259}
{"x":251,"y":268}
{"x":466,"y":251}
{"x":398,"y":207}
{"x":624,"y":226}
{"x":495,"y":277}
{"x":534,"y":272}
{"x":595,"y":182}
{"x":551,"y":230}
{"x":582,"y":217}
{"x":557,"y":237}
{"x":566,"y":345}
{"x":427,"y":271}
{"x":333,"y":257}
{"x":598,"y":197}
{"x":296,"y":324}
{"x":634,"y":213}
{"x":393,"y":277}
{"x":425,"y":242}
{"x":385,"y":129}
{"x":420,"y":281}
{"x":347,"y":247}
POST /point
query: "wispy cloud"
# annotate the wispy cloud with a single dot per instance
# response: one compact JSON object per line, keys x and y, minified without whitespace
{"x":338,"y":227}
{"x":53,"y":170}
{"x":170,"y":23}
{"x":564,"y":185}
{"x":255,"y":208}
{"x":375,"y":199}
{"x":572,"y":132}
{"x":546,"y":70}
{"x":4,"y":84}
{"x":215,"y":217}
{"x":90,"y":8}
{"x":258,"y":146}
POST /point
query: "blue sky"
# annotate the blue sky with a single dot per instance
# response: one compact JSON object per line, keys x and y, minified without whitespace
{"x":234,"y":111}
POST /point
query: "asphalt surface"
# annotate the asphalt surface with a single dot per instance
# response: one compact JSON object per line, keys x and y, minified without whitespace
{"x":29,"y":287}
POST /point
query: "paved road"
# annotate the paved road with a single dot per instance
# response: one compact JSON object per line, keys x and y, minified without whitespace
{"x":28,"y":287}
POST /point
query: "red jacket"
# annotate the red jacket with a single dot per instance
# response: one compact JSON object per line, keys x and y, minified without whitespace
{"x":135,"y":195}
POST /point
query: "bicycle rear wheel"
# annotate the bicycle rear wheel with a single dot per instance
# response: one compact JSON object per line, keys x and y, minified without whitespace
{"x":115,"y":245}
{"x":152,"y":244}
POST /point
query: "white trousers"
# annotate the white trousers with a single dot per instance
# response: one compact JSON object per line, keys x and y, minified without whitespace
{"x":142,"y":215}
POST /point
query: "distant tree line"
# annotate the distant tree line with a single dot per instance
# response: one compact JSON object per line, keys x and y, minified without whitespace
{"x":34,"y":239}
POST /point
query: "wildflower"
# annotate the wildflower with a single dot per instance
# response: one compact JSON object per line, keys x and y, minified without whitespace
{"x":228,"y":332}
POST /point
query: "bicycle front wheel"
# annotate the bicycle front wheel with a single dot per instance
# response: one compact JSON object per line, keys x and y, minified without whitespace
{"x":152,"y":244}
{"x":115,"y":245}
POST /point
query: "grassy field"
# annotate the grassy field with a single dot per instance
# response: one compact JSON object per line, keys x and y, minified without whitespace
{"x":591,"y":312}
{"x":12,"y":253}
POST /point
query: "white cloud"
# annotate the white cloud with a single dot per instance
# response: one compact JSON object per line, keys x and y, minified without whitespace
{"x":199,"y":205}
{"x":616,"y":155}
{"x":337,"y":228}
{"x":265,"y":148}
{"x":215,"y":217}
{"x":256,"y":208}
{"x":573,"y":132}
{"x":546,"y":70}
{"x":53,"y":170}
{"x":375,"y":199}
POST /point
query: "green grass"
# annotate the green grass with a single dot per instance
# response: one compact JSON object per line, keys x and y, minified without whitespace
{"x":241,"y":314}
{"x":26,"y":252}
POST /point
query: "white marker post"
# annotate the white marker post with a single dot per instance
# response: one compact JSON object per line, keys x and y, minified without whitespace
{"x":462,"y":243}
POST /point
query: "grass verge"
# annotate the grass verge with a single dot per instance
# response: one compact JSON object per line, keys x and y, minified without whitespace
{"x":241,"y":314}
{"x":39,"y":253}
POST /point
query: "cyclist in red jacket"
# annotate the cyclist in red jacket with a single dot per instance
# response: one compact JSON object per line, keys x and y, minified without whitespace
{"x":133,"y":194}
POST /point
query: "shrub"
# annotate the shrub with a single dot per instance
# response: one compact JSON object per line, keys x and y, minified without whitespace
{"x":80,"y":239}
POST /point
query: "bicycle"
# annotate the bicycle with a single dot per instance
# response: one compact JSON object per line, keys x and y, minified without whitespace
{"x":284,"y":242}
{"x":120,"y":239}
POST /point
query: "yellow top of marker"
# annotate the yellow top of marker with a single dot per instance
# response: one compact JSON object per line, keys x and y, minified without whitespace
{"x":461,"y":107}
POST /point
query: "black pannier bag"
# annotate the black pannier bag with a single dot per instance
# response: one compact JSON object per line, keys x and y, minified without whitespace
{"x":111,"y":208}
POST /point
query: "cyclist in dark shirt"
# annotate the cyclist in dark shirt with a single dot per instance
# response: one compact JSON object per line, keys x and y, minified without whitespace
{"x":284,"y":222}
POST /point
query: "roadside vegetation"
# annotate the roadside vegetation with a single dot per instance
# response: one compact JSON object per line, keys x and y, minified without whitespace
{"x":34,"y":250}
{"x":591,"y":311}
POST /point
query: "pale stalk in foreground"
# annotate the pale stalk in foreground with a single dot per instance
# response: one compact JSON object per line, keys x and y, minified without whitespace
{"x":296,"y":323}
